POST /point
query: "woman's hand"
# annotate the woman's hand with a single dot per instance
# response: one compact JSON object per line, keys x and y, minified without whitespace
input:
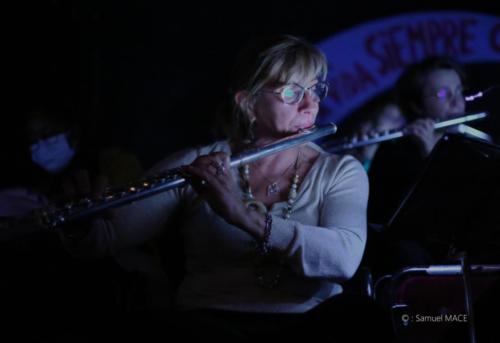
{"x":211,"y":177}
{"x":423,"y":131}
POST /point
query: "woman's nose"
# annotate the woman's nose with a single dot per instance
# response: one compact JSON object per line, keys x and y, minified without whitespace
{"x":458,"y":103}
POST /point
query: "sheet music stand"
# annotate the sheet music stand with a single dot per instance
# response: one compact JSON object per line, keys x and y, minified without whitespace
{"x":456,"y":200}
{"x":454,"y":204}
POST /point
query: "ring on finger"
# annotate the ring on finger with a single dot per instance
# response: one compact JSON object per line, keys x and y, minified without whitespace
{"x":220,"y":168}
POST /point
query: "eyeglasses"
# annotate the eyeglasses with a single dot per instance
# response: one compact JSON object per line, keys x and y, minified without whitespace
{"x":293,"y":93}
{"x":446,"y":94}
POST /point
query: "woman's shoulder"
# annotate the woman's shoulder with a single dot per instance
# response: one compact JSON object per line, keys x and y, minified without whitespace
{"x":335,"y":161}
{"x":332,"y":167}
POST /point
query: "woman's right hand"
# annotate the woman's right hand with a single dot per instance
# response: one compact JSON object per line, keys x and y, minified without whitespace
{"x":211,"y":177}
{"x":423,"y":131}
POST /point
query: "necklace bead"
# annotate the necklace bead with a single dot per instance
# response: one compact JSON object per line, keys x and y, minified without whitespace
{"x":248,"y":196}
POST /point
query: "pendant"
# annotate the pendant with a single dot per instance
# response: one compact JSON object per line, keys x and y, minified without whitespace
{"x":272,"y":189}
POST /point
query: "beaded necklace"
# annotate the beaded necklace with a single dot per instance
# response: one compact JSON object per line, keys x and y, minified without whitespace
{"x":273,"y":186}
{"x":262,"y":247}
{"x":249,"y":198}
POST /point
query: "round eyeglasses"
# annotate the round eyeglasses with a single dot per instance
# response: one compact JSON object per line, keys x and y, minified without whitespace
{"x":293,"y":93}
{"x":446,"y":94}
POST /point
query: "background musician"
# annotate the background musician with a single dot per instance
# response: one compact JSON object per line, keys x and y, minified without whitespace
{"x":428,"y":91}
{"x":52,"y":155}
{"x":384,"y":116}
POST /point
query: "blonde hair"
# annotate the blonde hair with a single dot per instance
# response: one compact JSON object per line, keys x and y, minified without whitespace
{"x":270,"y":61}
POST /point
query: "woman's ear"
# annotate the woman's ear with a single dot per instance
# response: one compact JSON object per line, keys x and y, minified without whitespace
{"x":243,"y":100}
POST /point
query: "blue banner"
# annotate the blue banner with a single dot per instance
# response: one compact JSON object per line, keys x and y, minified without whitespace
{"x":367,"y":59}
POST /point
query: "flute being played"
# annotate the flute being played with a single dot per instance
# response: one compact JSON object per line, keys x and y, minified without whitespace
{"x":168,"y":180}
{"x":378,"y":137}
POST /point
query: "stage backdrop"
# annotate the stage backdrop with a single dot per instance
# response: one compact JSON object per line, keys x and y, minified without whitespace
{"x":367,"y":59}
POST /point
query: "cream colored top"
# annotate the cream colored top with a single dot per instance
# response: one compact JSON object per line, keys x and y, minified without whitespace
{"x":321,"y":243}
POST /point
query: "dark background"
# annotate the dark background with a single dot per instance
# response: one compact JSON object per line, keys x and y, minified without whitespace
{"x":148,"y":75}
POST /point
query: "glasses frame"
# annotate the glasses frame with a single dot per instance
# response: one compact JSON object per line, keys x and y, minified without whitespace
{"x":448,"y":95}
{"x":303,"y":91}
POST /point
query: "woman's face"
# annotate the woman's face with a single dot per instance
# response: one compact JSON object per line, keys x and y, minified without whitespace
{"x":390,"y":118}
{"x":276,"y":119}
{"x":442,"y":94}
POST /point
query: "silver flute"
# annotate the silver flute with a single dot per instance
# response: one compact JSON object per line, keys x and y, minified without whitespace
{"x":167,"y":180}
{"x":352,"y":143}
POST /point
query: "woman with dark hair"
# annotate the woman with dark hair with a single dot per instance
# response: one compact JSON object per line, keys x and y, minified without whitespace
{"x":428,"y":91}
{"x":432,"y":88}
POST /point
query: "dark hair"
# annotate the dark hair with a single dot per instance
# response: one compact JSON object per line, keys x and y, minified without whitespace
{"x":409,"y":90}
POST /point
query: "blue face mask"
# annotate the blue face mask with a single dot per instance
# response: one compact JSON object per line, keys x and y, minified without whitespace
{"x":52,"y":154}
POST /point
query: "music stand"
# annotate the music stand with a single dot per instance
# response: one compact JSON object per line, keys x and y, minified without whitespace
{"x":456,"y":200}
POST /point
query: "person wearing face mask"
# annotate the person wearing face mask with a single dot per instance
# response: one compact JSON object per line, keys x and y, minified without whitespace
{"x":46,"y":146}
{"x":52,"y":154}
{"x":55,"y":157}
{"x":48,"y":161}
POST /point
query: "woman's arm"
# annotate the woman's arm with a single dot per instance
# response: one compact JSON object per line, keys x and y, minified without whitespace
{"x":129,"y":225}
{"x":334,"y":248}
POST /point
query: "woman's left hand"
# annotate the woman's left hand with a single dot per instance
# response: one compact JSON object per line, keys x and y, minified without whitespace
{"x":211,"y":177}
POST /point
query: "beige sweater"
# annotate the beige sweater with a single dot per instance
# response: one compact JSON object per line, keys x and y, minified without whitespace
{"x":322,"y":242}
